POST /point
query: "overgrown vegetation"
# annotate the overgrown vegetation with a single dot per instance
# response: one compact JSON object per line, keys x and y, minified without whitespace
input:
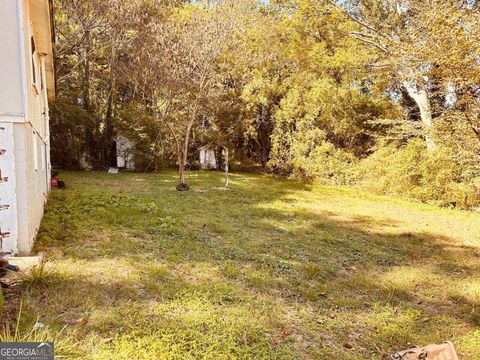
{"x":267,"y":269}
{"x":410,"y":170}
{"x":339,"y":92}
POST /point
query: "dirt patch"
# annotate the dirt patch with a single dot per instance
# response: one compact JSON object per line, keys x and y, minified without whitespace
{"x":12,"y":295}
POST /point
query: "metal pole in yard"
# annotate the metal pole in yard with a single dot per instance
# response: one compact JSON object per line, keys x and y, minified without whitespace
{"x":226,"y":167}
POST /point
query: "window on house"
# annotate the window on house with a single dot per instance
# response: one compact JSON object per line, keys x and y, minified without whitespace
{"x":34,"y":70}
{"x":35,"y":151}
{"x":42,"y":155}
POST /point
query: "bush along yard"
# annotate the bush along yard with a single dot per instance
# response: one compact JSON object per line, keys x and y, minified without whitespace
{"x":266,"y":269}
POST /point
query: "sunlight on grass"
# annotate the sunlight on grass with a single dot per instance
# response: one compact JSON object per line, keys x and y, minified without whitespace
{"x":269,"y":269}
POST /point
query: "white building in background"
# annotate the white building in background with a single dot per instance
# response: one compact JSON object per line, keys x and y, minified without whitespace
{"x":125,"y":152}
{"x":26,"y":85}
{"x":208,"y":158}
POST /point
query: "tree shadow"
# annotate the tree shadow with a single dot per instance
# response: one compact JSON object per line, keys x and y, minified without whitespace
{"x":340,"y":275}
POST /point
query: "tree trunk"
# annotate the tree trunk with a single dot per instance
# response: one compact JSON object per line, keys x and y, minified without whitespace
{"x":86,"y":74}
{"x":90,"y":142}
{"x":109,"y":159}
{"x":183,"y":155}
{"x":181,"y":169}
{"x":109,"y":128}
{"x":420,"y":97}
{"x":182,"y":186}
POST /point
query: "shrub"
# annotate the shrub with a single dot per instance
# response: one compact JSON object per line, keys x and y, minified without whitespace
{"x":439,"y":176}
{"x":447,"y":176}
{"x":326,"y":164}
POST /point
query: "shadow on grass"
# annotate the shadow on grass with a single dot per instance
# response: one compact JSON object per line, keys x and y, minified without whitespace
{"x":239,"y":249}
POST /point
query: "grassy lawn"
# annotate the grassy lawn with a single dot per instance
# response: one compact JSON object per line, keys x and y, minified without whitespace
{"x":269,"y":269}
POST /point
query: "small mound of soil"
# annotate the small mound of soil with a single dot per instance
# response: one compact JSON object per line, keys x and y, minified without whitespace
{"x":183,"y":187}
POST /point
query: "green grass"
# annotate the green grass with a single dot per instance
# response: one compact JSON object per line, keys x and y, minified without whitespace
{"x":269,"y":269}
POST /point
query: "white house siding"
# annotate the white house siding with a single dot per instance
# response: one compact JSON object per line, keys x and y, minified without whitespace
{"x":34,"y":135}
{"x":8,"y":209}
{"x":24,"y":110}
{"x":31,"y":184}
{"x":12,"y":111}
{"x":11,"y":103}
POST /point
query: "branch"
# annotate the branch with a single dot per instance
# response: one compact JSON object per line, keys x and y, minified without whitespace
{"x":358,"y":21}
{"x":175,"y":137}
{"x":364,"y":38}
{"x":82,"y":59}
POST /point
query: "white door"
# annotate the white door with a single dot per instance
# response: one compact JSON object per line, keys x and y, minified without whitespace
{"x":8,"y":211}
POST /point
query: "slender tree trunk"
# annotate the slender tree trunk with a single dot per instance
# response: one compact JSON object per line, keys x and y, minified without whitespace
{"x":182,"y":161}
{"x":181,"y":169}
{"x":420,"y":97}
{"x":109,"y":127}
{"x":180,"y":157}
{"x":90,"y":143}
{"x":86,"y":74}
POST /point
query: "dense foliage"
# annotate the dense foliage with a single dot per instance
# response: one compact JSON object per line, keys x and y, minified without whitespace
{"x":379,"y":94}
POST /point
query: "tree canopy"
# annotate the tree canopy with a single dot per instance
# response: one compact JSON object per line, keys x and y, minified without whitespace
{"x":343,"y":92}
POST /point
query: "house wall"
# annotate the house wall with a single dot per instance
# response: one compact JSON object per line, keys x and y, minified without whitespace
{"x":11,"y":104}
{"x":24,"y":112}
{"x":32,"y":142}
{"x":8,"y":208}
{"x":12,"y":111}
{"x":32,"y":188}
